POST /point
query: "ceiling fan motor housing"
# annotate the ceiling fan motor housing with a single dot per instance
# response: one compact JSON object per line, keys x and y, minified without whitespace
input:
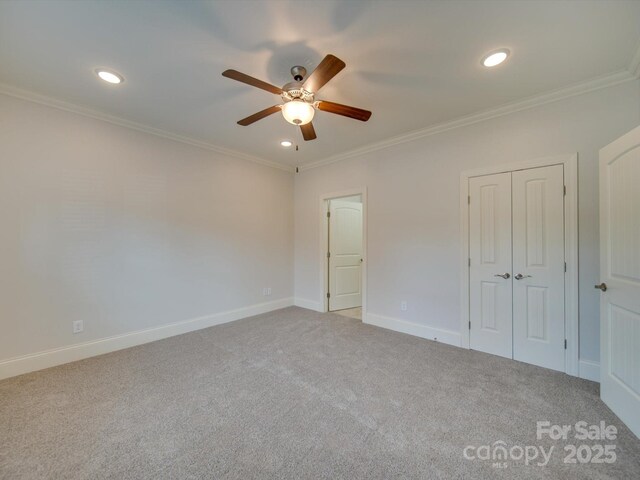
{"x":294,"y":91}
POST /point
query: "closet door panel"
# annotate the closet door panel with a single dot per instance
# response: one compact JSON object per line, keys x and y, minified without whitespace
{"x":490,"y":270}
{"x":538,"y":266}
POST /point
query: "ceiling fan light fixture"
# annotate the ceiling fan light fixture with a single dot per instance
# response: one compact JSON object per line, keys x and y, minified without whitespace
{"x":298,"y":112}
{"x":286,"y":143}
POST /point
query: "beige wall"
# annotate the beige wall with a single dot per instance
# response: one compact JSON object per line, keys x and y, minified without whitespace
{"x":413,"y":205}
{"x":128,"y":231}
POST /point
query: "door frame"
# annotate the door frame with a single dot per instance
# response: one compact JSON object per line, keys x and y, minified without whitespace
{"x":571,"y":295}
{"x":324,"y":244}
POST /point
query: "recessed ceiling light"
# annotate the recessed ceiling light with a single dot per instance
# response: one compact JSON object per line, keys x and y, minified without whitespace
{"x":286,"y":143}
{"x":495,"y":57}
{"x":109,"y":76}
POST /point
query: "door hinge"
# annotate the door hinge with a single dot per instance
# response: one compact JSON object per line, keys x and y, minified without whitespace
{"x":328,"y":214}
{"x":565,"y":190}
{"x":565,"y":343}
{"x":469,"y":261}
{"x":468,"y":199}
{"x":469,"y":324}
{"x":328,"y":254}
{"x":565,"y":267}
{"x":328,"y":295}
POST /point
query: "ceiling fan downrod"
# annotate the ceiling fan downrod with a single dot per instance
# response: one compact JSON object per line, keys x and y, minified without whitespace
{"x":298,"y":73}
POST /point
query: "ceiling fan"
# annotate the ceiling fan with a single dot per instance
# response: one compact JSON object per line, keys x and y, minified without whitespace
{"x":299,"y":96}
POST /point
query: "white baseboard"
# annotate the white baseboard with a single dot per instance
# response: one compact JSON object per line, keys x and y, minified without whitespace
{"x":589,"y":370}
{"x":449,"y":337}
{"x":308,"y":304}
{"x":50,"y":358}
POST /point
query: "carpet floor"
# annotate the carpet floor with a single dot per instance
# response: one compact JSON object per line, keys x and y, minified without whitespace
{"x":297,"y":394}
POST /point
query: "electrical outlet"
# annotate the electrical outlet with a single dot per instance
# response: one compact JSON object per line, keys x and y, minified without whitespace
{"x":269,"y":291}
{"x":266,"y":291}
{"x":78,"y":326}
{"x":403,"y":306}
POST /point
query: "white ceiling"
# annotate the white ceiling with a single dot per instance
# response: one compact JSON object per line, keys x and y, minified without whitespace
{"x":413,"y":63}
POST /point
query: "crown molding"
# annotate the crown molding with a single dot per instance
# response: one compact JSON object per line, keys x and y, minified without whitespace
{"x":597,"y":83}
{"x":87,"y":112}
{"x":634,"y":64}
{"x":631,"y":73}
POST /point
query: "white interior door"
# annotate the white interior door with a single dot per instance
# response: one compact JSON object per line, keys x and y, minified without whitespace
{"x":620,"y":277}
{"x":345,"y":254}
{"x":490,"y":289}
{"x":538,"y":266}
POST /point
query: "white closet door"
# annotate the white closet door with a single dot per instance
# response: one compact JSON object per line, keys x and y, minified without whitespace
{"x":538,"y":266}
{"x":620,"y":277}
{"x":345,"y":260}
{"x":490,"y":270}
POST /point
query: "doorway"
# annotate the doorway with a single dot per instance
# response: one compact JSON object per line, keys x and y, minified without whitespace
{"x":343,"y":259}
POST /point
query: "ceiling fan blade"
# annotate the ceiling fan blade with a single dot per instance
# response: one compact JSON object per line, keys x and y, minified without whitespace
{"x":308,"y":132}
{"x":254,"y":82}
{"x":259,"y":116}
{"x":328,"y":68}
{"x":344,"y":110}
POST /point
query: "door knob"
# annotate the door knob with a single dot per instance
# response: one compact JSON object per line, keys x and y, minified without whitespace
{"x":520,"y":276}
{"x":602,"y":286}
{"x":504,"y":275}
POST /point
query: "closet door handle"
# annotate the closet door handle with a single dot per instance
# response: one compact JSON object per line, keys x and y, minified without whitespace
{"x":504,"y":275}
{"x":520,"y":276}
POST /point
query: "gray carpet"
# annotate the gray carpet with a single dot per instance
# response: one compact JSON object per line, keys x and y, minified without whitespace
{"x":293,"y":394}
